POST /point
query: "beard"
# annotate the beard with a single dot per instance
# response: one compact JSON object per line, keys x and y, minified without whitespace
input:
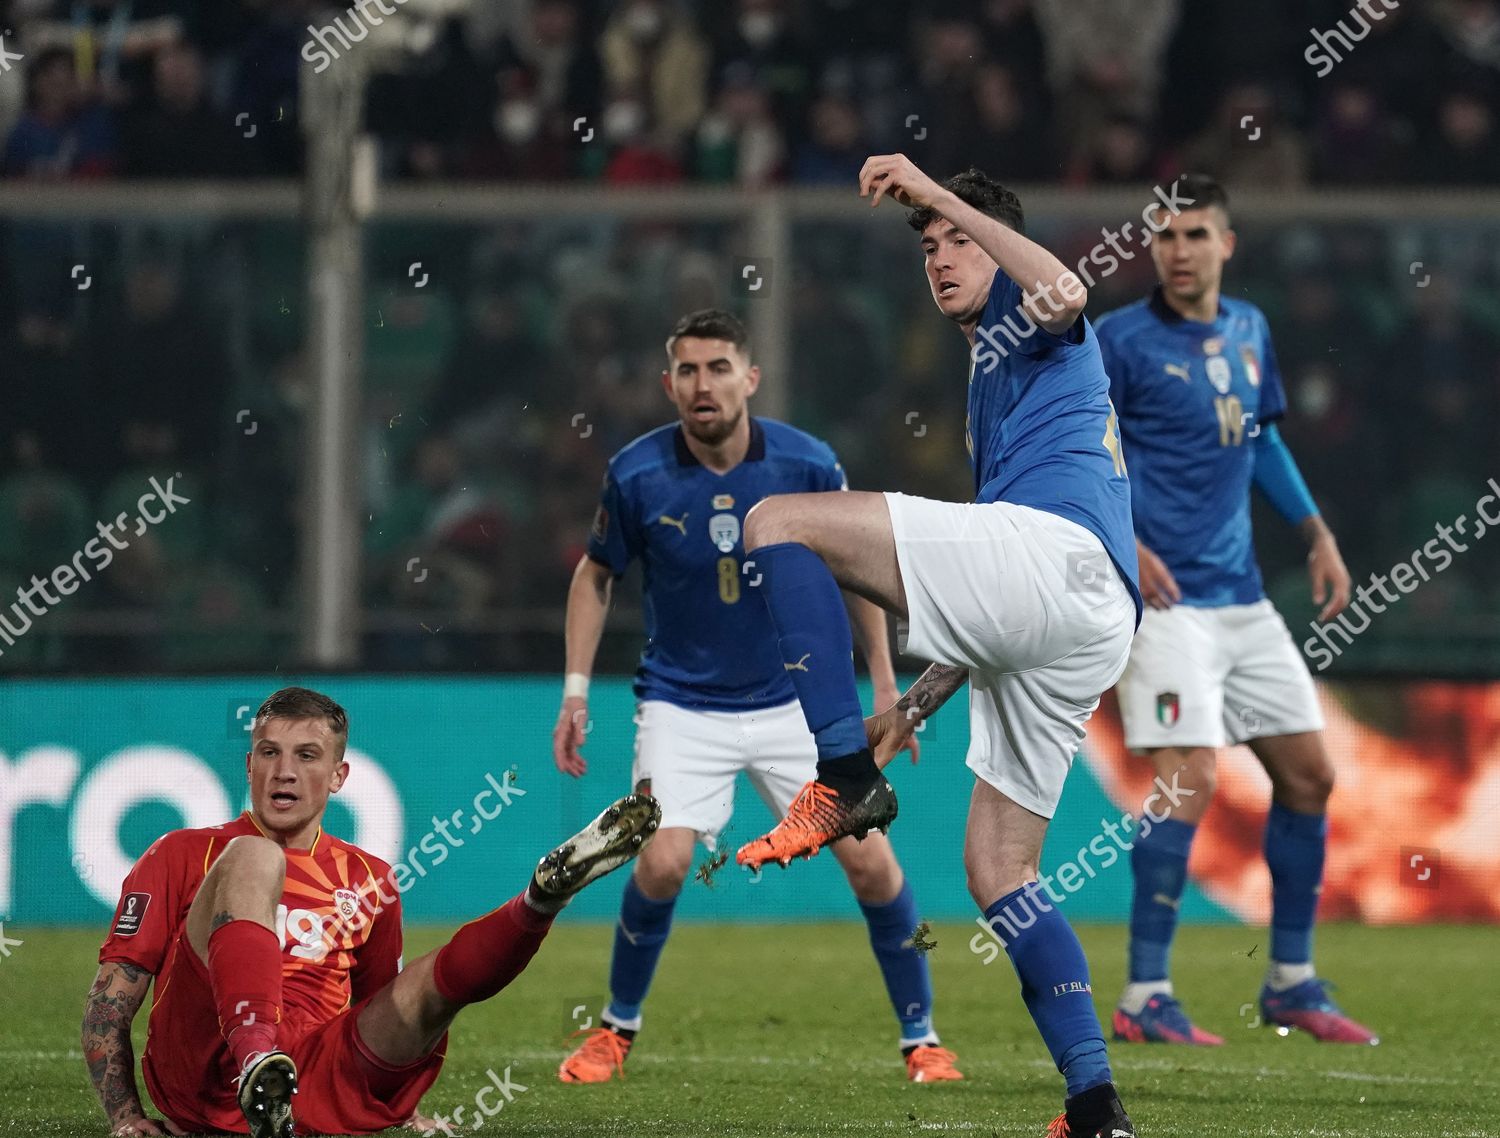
{"x":715,"y":432}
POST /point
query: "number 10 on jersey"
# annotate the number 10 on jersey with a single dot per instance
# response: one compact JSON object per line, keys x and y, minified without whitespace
{"x":1231,"y":413}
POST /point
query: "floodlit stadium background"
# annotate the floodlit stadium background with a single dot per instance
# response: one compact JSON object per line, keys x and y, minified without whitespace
{"x":385,"y":365}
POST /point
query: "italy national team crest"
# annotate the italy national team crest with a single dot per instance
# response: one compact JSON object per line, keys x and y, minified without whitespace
{"x":724,"y":529}
{"x":346,"y":901}
{"x":1167,"y":709}
{"x":1252,"y":365}
{"x":1219,"y":374}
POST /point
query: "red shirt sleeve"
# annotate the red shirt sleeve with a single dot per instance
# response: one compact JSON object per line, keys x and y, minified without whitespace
{"x":152,"y":903}
{"x":379,"y":959}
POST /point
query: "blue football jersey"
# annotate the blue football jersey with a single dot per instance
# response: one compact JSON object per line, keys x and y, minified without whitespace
{"x":1041,"y":431}
{"x":1191,"y":399}
{"x":710,"y":644}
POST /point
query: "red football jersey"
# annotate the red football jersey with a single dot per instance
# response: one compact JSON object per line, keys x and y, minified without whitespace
{"x":339,"y":919}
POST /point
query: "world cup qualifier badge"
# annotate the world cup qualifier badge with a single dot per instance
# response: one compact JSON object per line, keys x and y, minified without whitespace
{"x":1167,"y":708}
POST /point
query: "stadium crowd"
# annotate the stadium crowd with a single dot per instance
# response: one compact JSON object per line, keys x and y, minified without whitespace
{"x":496,"y":394}
{"x":753,"y":92}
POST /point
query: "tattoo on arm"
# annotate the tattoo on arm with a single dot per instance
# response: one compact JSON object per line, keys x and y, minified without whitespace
{"x":221,"y":918}
{"x":113,"y":1001}
{"x":933,"y":688}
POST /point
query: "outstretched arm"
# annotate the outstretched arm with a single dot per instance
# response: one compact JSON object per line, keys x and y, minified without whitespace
{"x":118,"y":992}
{"x":888,"y":731}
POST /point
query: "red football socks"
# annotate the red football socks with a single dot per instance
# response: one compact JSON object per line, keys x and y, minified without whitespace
{"x":487,"y":954}
{"x":244,"y":970}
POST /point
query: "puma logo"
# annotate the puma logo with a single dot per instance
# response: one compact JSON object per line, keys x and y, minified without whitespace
{"x":1180,"y":371}
{"x":680,"y":523}
{"x":800,"y":665}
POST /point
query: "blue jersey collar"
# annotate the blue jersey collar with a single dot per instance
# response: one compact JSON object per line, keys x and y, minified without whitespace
{"x":756,"y":452}
{"x":1169,"y":315}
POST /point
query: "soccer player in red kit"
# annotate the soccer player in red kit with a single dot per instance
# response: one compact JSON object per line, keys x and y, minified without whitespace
{"x":276,"y":953}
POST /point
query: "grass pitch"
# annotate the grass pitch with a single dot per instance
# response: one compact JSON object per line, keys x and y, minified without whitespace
{"x":785,"y":1031}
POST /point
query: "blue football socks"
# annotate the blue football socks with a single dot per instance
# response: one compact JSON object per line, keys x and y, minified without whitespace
{"x":640,"y":935}
{"x":907,"y":979}
{"x":1295,"y":848}
{"x":1054,"y":983}
{"x":1159,"y":860}
{"x":817,"y":648}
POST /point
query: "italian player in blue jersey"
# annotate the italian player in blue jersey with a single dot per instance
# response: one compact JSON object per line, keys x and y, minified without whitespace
{"x":714,"y":698}
{"x":1028,"y":592}
{"x":1194,"y":379}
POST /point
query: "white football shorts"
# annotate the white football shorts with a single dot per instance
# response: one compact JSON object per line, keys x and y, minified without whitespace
{"x":1207,"y":677}
{"x":1032,"y":605}
{"x":692,"y":757}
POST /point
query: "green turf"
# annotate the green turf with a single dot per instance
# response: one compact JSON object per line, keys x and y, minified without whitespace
{"x":784,"y":1031}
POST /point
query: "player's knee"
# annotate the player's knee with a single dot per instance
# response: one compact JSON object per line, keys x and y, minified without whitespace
{"x":873,"y":872}
{"x":660,"y":874}
{"x":254,"y":856}
{"x":769,"y":522}
{"x":1308,"y":788}
{"x":1183,"y":788}
{"x":989,"y":879}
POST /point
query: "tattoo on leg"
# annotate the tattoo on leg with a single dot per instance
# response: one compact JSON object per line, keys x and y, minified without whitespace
{"x":221,"y":918}
{"x":933,"y":688}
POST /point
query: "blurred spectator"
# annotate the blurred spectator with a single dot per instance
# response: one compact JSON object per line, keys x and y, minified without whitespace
{"x":637,"y":153}
{"x":949,"y":51}
{"x":159,"y":363}
{"x":1119,"y":154}
{"x":61,"y":134}
{"x":652,"y":50}
{"x":1463,"y":151}
{"x":1104,"y":58}
{"x":1013,"y":40}
{"x":498,"y":361}
{"x":555,"y":51}
{"x":521,"y":142}
{"x":762,"y":49}
{"x":1441,"y":388}
{"x":836,"y":149}
{"x":1250,"y":144}
{"x":1472,"y":28}
{"x":739,"y":140}
{"x":112,"y":41}
{"x":174,"y":133}
{"x":1007,"y":129}
{"x":261,"y":69}
{"x":1355,"y":140}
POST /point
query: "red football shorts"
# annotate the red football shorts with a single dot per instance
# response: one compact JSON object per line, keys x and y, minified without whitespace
{"x":342,"y":1087}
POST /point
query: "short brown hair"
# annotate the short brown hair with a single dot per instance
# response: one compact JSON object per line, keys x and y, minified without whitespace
{"x":304,"y":703}
{"x":711,"y":324}
{"x":979,"y":190}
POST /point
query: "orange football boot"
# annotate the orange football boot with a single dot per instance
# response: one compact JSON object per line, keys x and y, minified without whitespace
{"x":598,"y":1059}
{"x":817,"y":817}
{"x":930,"y":1063}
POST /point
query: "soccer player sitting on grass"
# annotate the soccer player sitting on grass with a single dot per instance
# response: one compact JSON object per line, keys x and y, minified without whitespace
{"x":276,"y":950}
{"x":1028,"y":592}
{"x":1195,"y":382}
